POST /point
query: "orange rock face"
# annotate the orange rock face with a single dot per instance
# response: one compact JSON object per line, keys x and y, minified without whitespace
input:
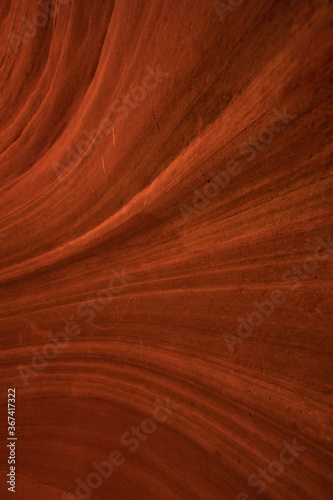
{"x":166,"y":249}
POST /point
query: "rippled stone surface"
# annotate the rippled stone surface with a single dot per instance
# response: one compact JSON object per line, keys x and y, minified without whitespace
{"x":181,"y":92}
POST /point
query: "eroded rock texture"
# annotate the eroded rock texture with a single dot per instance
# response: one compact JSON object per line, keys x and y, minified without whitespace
{"x":181,"y":91}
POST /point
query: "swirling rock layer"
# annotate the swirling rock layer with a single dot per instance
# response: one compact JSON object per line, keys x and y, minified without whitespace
{"x":181,"y":91}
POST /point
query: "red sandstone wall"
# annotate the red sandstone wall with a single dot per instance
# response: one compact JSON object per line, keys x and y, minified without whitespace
{"x":166,"y":251}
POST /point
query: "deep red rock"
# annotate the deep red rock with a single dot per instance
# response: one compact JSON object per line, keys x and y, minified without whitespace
{"x":205,"y":180}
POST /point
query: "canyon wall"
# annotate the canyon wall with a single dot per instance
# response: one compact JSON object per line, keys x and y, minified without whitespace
{"x":166,"y":251}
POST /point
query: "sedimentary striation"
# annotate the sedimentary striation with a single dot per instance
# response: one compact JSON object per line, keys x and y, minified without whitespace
{"x":166,"y":251}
